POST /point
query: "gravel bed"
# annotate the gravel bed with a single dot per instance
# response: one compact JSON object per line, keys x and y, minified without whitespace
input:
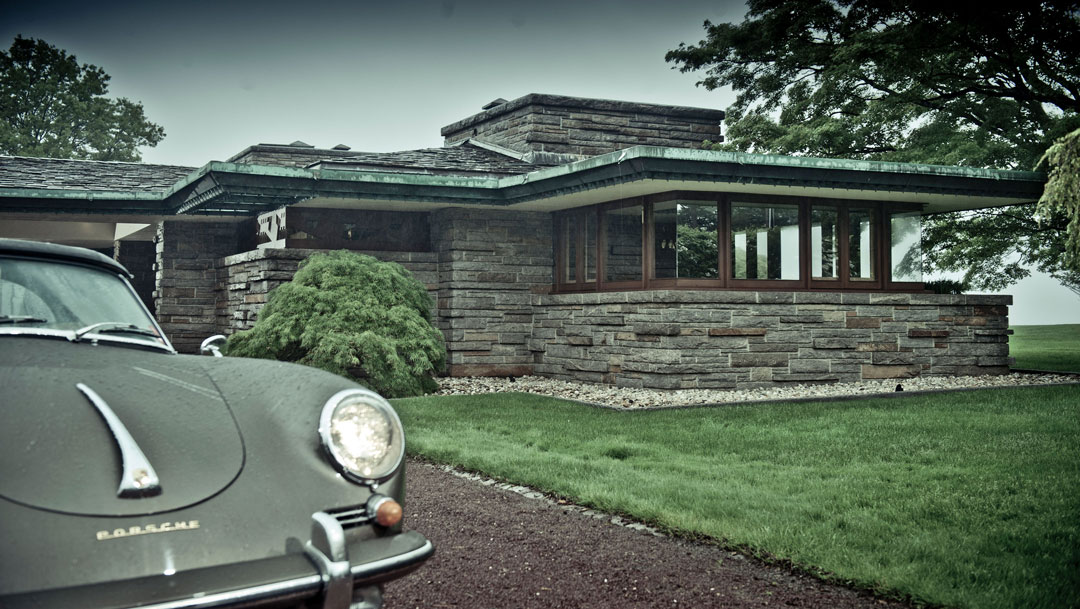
{"x":629,"y":398}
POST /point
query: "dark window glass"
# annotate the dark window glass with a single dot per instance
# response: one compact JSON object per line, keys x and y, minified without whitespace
{"x":664,"y":222}
{"x":589,"y":251}
{"x":623,"y":253}
{"x":569,"y":253}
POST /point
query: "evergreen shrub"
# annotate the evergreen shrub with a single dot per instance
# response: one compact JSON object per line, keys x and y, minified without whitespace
{"x":352,"y":315}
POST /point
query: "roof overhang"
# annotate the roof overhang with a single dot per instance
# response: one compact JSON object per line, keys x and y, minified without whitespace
{"x":634,"y":172}
{"x":231,"y":189}
{"x":645,"y":170}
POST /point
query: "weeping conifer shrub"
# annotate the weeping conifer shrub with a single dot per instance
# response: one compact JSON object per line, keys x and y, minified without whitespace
{"x":352,"y":315}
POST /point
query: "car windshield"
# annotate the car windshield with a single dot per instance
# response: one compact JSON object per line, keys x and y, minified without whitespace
{"x":77,"y":301}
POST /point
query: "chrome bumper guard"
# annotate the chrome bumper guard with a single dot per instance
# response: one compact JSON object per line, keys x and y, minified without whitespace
{"x":322,"y":575}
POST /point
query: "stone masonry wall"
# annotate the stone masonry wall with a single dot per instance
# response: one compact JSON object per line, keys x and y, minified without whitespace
{"x":490,"y":274}
{"x":567,"y":125}
{"x":185,"y":283}
{"x":245,"y":280}
{"x":698,"y":339}
{"x":483,"y":274}
{"x":490,"y":266}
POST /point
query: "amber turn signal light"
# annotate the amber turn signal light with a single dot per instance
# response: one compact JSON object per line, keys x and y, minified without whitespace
{"x":387,"y":512}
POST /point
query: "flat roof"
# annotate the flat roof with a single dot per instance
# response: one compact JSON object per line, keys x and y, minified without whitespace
{"x":231,"y":189}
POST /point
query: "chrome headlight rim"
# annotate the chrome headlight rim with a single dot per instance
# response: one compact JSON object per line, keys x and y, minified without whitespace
{"x":384,"y":408}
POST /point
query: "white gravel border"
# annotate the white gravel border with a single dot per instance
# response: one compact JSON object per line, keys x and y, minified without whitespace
{"x":629,"y":398}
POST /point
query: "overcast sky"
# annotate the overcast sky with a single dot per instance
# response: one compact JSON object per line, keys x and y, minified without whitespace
{"x":383,"y":76}
{"x":376,"y":76}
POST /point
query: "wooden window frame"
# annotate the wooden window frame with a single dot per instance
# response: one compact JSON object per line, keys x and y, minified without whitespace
{"x":881,"y":241}
{"x":890,"y":285}
{"x":602,"y":246}
{"x":769,"y":284}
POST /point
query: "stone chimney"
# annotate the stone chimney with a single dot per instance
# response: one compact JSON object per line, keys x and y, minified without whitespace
{"x":583,"y":127}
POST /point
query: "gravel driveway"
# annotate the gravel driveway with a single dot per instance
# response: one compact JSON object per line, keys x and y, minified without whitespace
{"x":496,"y":548}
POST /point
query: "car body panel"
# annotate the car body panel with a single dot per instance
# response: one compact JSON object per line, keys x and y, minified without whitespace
{"x":169,"y":405}
{"x":286,"y":478}
{"x":282,"y":581}
{"x":236,"y":448}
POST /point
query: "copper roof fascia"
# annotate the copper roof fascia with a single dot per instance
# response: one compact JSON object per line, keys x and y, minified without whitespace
{"x":285,"y":184}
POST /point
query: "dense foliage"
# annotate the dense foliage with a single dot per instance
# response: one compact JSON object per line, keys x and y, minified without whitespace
{"x":941,"y":83}
{"x":50,"y":106}
{"x":1061,"y":198}
{"x":355,"y":316}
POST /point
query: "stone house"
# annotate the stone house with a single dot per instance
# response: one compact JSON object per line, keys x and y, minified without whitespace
{"x":566,"y":237}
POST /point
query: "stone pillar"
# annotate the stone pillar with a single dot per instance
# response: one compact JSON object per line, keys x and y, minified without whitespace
{"x":138,"y":257}
{"x":186,"y":280}
{"x":490,"y":265}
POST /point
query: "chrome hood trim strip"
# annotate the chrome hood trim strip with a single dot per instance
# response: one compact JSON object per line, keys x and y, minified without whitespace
{"x":139,"y":478}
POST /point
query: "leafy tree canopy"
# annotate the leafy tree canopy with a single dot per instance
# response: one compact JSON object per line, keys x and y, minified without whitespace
{"x":952,"y":83}
{"x":1061,"y":198}
{"x":355,"y":316}
{"x":50,"y":106}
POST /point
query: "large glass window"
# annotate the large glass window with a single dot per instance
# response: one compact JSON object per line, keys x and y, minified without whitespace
{"x":622,"y":260}
{"x":665,"y":221}
{"x":764,"y":241}
{"x":685,"y":240}
{"x":589,"y":252}
{"x":905,"y":234}
{"x":862,"y":257}
{"x":568,"y":238}
{"x":577,"y":235}
{"x":824,"y":242}
{"x":780,"y":243}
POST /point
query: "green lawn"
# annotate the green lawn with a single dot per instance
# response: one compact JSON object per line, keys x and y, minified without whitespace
{"x":1046,"y":347}
{"x":965,"y":499}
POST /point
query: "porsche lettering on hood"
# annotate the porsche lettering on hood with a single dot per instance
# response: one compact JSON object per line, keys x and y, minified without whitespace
{"x":168,"y":406}
{"x":149,"y":529}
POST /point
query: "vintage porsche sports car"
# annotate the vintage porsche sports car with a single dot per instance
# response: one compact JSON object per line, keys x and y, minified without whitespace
{"x":131,"y":475}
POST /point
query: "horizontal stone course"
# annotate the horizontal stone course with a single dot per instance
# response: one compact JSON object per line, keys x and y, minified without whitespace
{"x":859,"y":336}
{"x":925,"y":333}
{"x":738,"y":331}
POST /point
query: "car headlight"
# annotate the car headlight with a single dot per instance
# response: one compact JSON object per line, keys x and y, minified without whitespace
{"x":363,"y":435}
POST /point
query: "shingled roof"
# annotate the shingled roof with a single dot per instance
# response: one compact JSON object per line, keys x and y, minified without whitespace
{"x":466,"y":159}
{"x":68,"y":174}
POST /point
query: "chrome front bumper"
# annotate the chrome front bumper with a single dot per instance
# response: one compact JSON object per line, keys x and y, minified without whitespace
{"x":330,"y":572}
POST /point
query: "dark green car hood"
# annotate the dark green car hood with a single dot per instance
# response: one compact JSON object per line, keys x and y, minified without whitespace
{"x":58,"y":454}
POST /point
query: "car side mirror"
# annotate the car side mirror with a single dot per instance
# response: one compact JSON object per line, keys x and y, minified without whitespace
{"x":213,"y":345}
